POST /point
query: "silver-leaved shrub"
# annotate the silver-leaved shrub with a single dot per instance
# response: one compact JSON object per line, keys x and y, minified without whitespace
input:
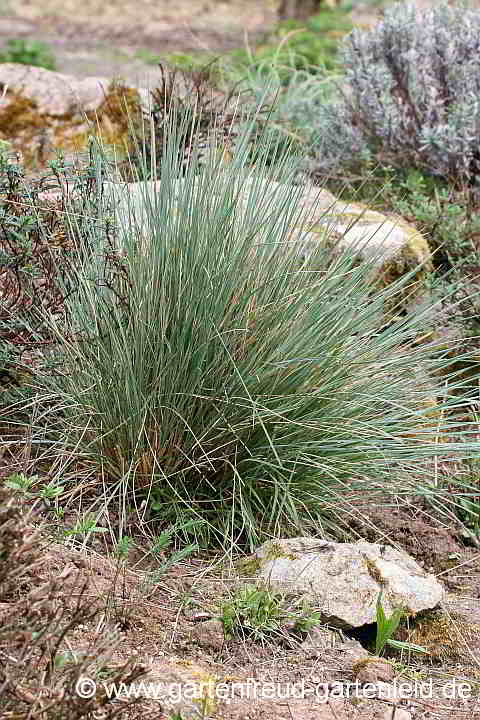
{"x":411,"y":96}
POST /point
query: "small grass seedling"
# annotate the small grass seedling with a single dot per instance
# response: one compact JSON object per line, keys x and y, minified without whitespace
{"x":21,"y":483}
{"x":253,"y":610}
{"x":386,"y":628}
{"x":85,"y":526}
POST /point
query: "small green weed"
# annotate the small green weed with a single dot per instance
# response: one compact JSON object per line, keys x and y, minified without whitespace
{"x":25,"y":485}
{"x":252,"y":610}
{"x":307,"y":621}
{"x":28,"y":52}
{"x":162,"y":542}
{"x":386,"y":628}
{"x":85,"y":526}
{"x":21,"y":483}
{"x":262,"y":613}
{"x":50,"y":492}
{"x":123,"y":547}
{"x":66,"y":658}
{"x":176,"y":557}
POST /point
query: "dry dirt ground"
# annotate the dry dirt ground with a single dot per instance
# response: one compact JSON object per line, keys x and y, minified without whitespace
{"x":113,"y":38}
{"x":158,"y":620}
{"x":95,"y":37}
{"x":102,"y":38}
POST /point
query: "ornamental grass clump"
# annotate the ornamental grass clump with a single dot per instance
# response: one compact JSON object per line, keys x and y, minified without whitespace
{"x":210,"y":366}
{"x":411,"y":96}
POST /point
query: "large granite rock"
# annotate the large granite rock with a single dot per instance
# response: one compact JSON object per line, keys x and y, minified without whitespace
{"x":343,"y":580}
{"x":42,"y":110}
{"x":390,"y":242}
{"x":393,"y":246}
{"x":52,"y":92}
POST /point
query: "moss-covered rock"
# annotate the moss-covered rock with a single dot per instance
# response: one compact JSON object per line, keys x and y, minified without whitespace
{"x":395,"y":247}
{"x":391,"y":244}
{"x":44,"y":111}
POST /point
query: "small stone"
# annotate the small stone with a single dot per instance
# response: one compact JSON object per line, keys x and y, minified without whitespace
{"x":372,"y":670}
{"x":200,"y":617}
{"x":342,"y":581}
{"x":353,"y":652}
{"x":209,"y":634}
{"x":183,"y":688}
{"x":320,"y":639}
{"x":53,"y":93}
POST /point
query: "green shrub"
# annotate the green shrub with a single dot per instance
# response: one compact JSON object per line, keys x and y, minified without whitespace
{"x":26,"y":268}
{"x":37,"y":246}
{"x":316,"y":42}
{"x":448,"y":218}
{"x":201,"y":365}
{"x":28,"y":52}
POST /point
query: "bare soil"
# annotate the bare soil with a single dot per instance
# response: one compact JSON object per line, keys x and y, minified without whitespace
{"x":102,"y":38}
{"x":95,"y":37}
{"x":157,"y":621}
{"x":92,"y":37}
